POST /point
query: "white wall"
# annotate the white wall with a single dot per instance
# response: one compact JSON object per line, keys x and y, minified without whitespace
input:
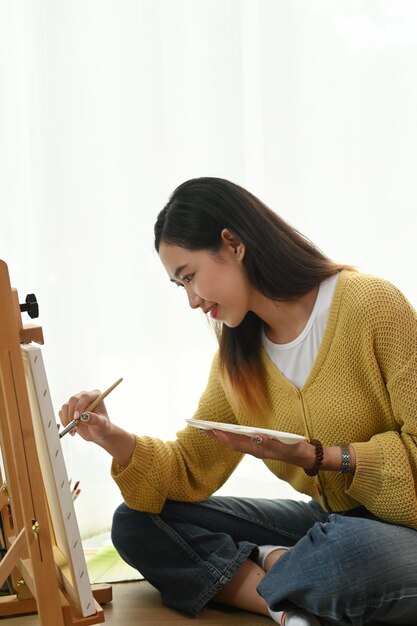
{"x":107,"y":105}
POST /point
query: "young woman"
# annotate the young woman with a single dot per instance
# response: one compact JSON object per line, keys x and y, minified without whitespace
{"x":306,"y":346}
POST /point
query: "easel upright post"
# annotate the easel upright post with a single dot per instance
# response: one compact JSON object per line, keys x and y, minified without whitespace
{"x":24,"y":477}
{"x":31,"y":547}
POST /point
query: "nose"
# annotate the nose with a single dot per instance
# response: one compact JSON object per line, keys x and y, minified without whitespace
{"x":193,"y":299}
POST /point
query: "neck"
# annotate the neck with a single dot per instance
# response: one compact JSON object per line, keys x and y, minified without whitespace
{"x":285,"y":321}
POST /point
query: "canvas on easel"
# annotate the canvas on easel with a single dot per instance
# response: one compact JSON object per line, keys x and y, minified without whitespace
{"x":44,"y":550}
{"x":68,"y":550}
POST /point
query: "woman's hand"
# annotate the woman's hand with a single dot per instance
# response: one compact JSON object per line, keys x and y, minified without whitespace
{"x":301,"y":454}
{"x":97,"y":427}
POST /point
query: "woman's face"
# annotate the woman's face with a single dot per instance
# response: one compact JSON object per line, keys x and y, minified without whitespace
{"x":215,"y":283}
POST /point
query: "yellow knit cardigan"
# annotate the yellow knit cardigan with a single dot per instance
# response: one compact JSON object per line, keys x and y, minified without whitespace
{"x":362,"y":389}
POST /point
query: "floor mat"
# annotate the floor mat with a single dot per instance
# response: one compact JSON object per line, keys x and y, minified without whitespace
{"x":104,"y":565}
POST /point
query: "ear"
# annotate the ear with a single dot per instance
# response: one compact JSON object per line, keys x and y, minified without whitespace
{"x":234,"y":243}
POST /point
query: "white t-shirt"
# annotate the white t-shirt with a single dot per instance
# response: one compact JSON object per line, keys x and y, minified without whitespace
{"x":295,"y":359}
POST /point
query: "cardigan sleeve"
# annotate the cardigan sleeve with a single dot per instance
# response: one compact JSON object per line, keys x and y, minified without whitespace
{"x":191,"y":468}
{"x":385,"y":480}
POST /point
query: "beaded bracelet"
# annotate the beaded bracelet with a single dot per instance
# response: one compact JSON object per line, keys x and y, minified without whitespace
{"x":319,"y":458}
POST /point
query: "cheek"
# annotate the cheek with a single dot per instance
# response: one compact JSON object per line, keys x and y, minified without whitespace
{"x":227,"y":285}
{"x":234,"y":288}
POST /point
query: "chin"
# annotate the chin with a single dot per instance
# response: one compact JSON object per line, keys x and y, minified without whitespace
{"x":233,"y":323}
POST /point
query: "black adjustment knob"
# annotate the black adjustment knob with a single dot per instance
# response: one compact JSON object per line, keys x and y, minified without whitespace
{"x":31,"y":306}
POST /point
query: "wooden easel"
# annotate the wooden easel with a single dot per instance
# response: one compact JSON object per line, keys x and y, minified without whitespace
{"x":33,"y":559}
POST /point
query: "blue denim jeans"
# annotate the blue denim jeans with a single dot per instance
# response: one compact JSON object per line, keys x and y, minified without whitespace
{"x":348,"y":569}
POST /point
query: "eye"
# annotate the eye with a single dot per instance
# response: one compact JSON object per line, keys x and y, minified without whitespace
{"x":187,"y":279}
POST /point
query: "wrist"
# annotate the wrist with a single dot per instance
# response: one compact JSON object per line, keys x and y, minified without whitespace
{"x":339,"y":458}
{"x":305,"y":455}
{"x":333,"y":462}
{"x":104,"y":434}
{"x":120,"y":444}
{"x":318,"y":458}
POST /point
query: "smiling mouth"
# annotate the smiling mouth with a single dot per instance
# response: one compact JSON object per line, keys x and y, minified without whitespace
{"x":212,"y":311}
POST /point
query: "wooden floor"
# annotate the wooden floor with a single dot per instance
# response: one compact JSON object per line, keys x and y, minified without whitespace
{"x":139,"y":604}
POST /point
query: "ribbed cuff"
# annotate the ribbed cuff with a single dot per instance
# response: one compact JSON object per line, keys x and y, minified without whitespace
{"x":130,"y":479}
{"x":367,"y":480}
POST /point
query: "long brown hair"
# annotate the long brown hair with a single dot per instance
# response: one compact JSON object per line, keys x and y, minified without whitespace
{"x":280,"y":263}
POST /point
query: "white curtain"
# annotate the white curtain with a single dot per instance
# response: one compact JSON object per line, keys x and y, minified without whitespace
{"x":107,"y":105}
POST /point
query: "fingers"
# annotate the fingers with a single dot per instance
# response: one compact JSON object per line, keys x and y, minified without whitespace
{"x":77,"y":405}
{"x":260,"y":447}
{"x":257,"y":439}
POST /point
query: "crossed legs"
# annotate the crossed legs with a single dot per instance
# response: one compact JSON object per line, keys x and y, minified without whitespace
{"x":348,"y":570}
